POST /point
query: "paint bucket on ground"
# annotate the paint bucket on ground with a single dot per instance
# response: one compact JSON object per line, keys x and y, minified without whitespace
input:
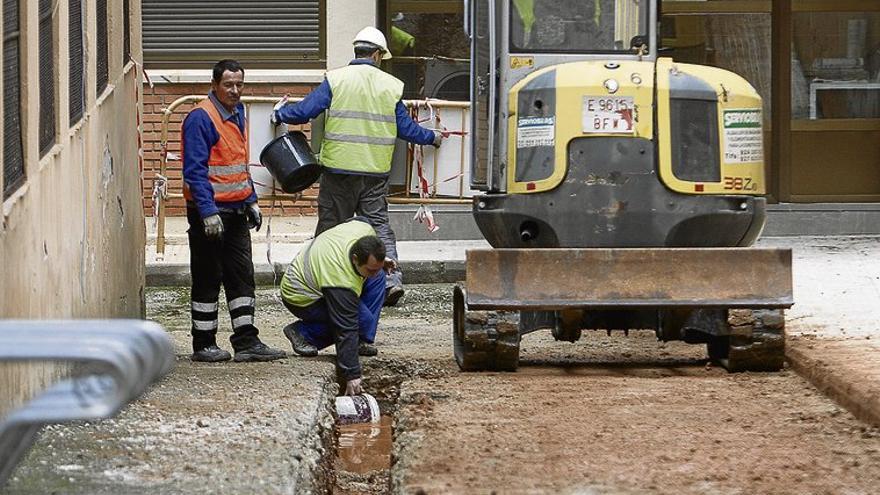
{"x":357,"y":409}
{"x":291,"y":162}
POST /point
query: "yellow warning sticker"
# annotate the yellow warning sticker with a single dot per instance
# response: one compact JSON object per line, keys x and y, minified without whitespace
{"x":521,"y":62}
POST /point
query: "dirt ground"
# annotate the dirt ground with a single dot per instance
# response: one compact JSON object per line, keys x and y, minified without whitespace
{"x":615,"y":414}
{"x":618,"y":414}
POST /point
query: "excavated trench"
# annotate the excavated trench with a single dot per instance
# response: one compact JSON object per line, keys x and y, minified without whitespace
{"x":362,"y":456}
{"x":335,"y":459}
{"x":360,"y":461}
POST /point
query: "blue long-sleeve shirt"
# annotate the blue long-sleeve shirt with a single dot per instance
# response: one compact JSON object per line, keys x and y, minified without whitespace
{"x":319,"y":99}
{"x":199,"y":136}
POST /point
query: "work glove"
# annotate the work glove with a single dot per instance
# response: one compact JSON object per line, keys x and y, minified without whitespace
{"x":213,"y":227}
{"x":254,"y":217}
{"x":274,"y":117}
{"x":438,"y":139}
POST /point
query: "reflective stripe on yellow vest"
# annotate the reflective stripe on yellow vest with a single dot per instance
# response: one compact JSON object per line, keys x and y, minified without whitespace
{"x":326,"y":262}
{"x":228,"y":160}
{"x":361,"y":126}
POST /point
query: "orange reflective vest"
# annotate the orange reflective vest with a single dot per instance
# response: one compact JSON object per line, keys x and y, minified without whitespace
{"x":228,"y":161}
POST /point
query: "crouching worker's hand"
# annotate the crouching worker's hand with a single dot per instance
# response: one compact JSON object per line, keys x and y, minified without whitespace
{"x":353,"y":387}
{"x":390,"y":265}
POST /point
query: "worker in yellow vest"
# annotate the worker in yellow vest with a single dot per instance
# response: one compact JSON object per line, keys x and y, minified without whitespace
{"x":336,"y":286}
{"x":221,"y":207}
{"x":365,"y":116}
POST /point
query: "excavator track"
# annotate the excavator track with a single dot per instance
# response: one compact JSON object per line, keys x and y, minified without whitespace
{"x":484,"y":340}
{"x":756,"y":341}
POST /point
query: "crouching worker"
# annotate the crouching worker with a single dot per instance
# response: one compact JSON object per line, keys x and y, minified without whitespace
{"x":336,"y":287}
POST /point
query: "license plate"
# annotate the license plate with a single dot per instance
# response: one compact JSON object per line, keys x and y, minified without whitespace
{"x":609,"y":114}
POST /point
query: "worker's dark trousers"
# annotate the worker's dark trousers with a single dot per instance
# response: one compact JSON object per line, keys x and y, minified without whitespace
{"x":315,"y":318}
{"x":227,"y":261}
{"x":343,"y":196}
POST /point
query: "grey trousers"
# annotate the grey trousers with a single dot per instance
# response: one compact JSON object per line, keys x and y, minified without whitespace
{"x":342,"y":196}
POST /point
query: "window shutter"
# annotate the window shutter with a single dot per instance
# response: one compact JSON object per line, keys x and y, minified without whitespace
{"x":47,"y":76}
{"x":199,"y":32}
{"x":102,"y":59}
{"x":77,"y":67}
{"x":13,"y":155}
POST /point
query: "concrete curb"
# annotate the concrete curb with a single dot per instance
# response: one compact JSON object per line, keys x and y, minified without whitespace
{"x":315,"y":465}
{"x":415,"y":272}
{"x":844,"y":370}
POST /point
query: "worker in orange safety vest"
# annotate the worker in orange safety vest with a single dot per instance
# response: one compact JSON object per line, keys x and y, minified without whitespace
{"x":221,"y":208}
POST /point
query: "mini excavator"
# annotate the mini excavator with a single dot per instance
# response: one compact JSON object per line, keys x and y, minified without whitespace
{"x":619,"y":190}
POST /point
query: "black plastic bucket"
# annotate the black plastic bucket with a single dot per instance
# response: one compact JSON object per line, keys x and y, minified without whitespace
{"x":291,"y":162}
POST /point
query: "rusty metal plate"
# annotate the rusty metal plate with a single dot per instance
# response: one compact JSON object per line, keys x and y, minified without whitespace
{"x":628,"y":278}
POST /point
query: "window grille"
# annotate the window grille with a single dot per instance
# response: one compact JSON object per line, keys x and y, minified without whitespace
{"x":13,"y":153}
{"x":126,"y":31}
{"x":77,"y":62}
{"x":102,"y":57}
{"x":47,"y":76}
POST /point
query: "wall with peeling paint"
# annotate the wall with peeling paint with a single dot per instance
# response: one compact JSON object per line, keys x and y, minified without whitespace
{"x":72,"y":237}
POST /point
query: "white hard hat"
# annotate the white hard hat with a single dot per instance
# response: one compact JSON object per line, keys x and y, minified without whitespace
{"x":372,"y":35}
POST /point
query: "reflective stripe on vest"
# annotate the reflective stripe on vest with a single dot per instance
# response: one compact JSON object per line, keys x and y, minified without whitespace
{"x":361,"y":126}
{"x":326,"y":262}
{"x":227,"y":162}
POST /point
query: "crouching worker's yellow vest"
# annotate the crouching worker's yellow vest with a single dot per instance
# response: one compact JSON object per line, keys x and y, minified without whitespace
{"x":326,"y":262}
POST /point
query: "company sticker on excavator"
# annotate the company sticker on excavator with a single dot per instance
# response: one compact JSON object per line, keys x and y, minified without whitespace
{"x":535,"y":131}
{"x":743,"y":136}
{"x":608,"y":115}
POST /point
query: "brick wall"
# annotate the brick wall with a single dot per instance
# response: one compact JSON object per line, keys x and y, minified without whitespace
{"x":156,"y":99}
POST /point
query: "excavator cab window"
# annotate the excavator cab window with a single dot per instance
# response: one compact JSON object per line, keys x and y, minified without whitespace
{"x":577,"y":26}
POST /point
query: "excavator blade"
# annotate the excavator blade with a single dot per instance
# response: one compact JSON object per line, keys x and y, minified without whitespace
{"x":594,"y":278}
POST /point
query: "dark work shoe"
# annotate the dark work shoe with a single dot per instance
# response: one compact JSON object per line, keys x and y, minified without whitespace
{"x":300,"y":345}
{"x":367,"y":349}
{"x":393,"y":295}
{"x":259,"y":352}
{"x":211,"y":354}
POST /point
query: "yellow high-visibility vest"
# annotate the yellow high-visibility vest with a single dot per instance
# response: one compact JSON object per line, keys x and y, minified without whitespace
{"x":361,"y":126}
{"x":326,"y":262}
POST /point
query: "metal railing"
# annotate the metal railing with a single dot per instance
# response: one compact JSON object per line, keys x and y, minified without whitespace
{"x":115,"y":361}
{"x":164,"y":195}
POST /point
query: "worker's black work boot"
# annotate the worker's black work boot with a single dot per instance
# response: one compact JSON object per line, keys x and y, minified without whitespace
{"x":211,"y":354}
{"x":393,"y":295}
{"x":300,"y":345}
{"x":367,"y":349}
{"x":259,"y":352}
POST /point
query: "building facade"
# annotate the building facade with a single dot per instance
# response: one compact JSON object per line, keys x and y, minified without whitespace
{"x":815,"y":62}
{"x":72,"y":231}
{"x":284,"y":48}
{"x":817,"y":65}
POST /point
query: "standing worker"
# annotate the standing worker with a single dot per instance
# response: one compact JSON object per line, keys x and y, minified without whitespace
{"x":336,"y":286}
{"x":365,"y":115}
{"x":221,"y":207}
